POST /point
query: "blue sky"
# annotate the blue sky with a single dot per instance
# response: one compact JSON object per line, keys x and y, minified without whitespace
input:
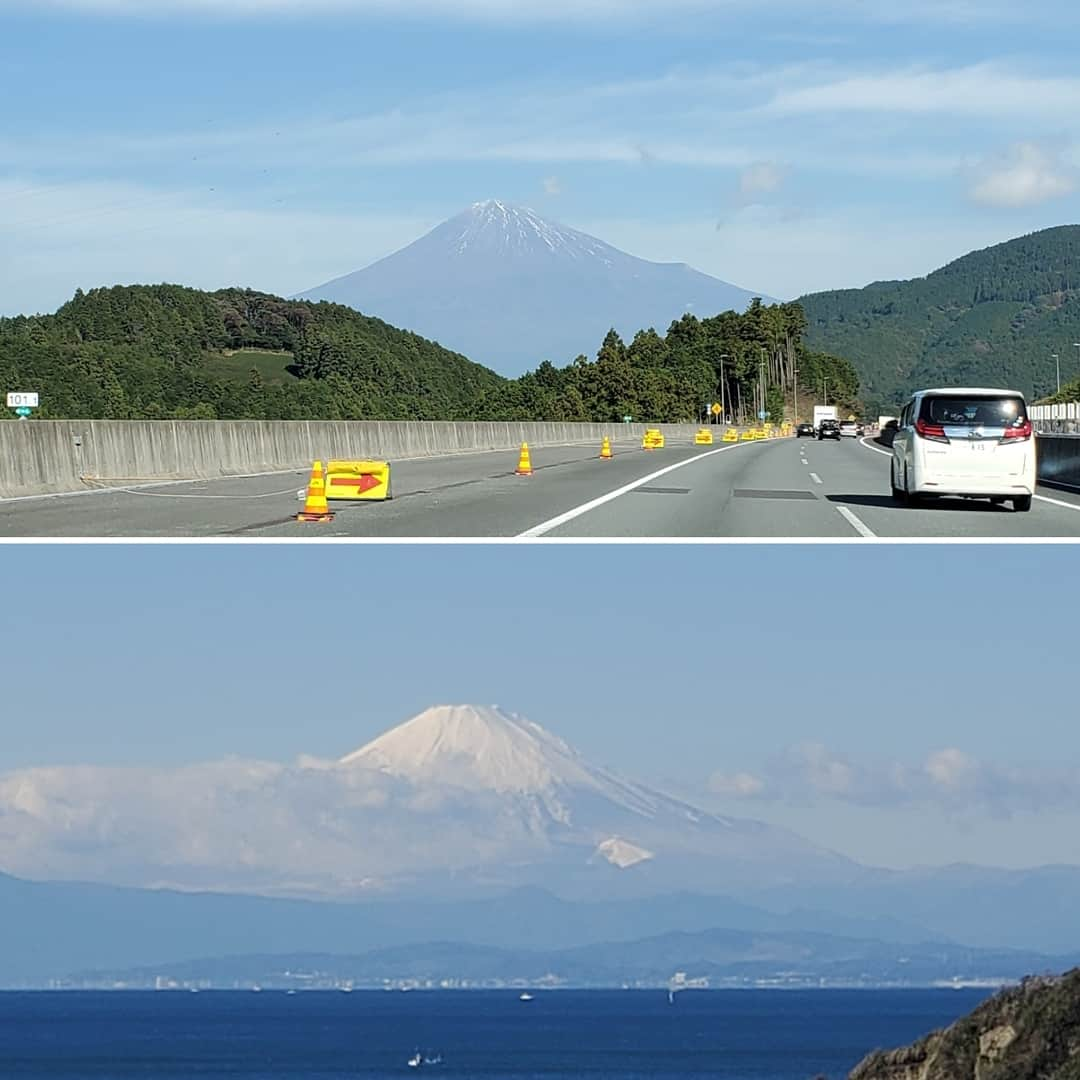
{"x":928,"y":721}
{"x":279,"y":143}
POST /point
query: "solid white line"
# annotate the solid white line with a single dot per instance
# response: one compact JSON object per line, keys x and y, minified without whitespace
{"x":1057,"y":502}
{"x":562,"y":519}
{"x":814,"y":476}
{"x":854,"y":522}
{"x":876,"y":449}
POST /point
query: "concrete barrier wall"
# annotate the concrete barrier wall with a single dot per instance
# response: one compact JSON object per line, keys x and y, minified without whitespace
{"x":1059,"y":459}
{"x":46,"y":456}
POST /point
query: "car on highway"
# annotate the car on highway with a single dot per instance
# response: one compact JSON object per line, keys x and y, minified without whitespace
{"x":969,"y":442}
{"x":849,"y":429}
{"x":828,"y":429}
{"x":805,"y":430}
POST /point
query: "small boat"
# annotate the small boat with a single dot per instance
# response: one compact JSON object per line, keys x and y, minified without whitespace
{"x":416,"y":1061}
{"x":525,"y":997}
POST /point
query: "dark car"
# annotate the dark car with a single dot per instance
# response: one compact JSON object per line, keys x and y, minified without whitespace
{"x":805,"y":430}
{"x":829,"y":429}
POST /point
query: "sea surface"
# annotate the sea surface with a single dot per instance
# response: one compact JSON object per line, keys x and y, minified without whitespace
{"x":739,"y":1035}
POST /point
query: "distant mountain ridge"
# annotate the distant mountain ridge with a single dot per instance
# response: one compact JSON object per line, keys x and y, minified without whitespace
{"x":993,"y":317}
{"x":719,"y":956}
{"x":509,"y":289}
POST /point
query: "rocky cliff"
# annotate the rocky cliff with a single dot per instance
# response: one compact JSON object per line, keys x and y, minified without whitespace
{"x":1028,"y":1032}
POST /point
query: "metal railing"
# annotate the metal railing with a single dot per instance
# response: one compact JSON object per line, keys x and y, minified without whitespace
{"x":1056,"y":419}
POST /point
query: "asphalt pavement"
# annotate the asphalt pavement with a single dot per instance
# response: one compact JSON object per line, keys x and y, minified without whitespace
{"x":777,"y":489}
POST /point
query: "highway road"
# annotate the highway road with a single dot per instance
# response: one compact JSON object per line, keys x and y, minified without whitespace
{"x":784,"y":488}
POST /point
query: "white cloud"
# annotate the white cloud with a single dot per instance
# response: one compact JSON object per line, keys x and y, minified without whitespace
{"x":238,"y":824}
{"x":948,"y":779}
{"x":951,"y":769}
{"x":1027,"y":174}
{"x":761,"y":178}
{"x":552,"y":186}
{"x":741,"y":785}
{"x":987,"y":90}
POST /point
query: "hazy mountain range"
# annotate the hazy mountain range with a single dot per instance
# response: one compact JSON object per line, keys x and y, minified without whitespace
{"x":509,"y":289}
{"x":444,"y":829}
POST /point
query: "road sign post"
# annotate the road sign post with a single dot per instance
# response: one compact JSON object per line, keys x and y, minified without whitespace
{"x":23,"y":402}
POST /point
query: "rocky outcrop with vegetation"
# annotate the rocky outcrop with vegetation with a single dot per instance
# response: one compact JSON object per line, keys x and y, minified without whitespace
{"x":1028,"y":1032}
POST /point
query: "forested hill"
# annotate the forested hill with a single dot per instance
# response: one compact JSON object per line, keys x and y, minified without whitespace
{"x":994,"y":317}
{"x":165,"y":351}
{"x":149,"y":351}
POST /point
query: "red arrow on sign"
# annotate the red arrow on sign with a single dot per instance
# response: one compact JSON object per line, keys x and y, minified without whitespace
{"x":363,"y":483}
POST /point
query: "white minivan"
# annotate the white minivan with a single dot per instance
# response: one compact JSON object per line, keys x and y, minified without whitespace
{"x":976,"y":443}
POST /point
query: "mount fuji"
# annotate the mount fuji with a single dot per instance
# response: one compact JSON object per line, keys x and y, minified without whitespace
{"x":547,"y":814}
{"x":510,"y":289}
{"x":458,"y":801}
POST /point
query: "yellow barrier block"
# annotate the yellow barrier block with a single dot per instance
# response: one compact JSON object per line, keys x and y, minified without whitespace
{"x":747,"y":436}
{"x":703,"y":437}
{"x":653,"y":440}
{"x":356,"y":480}
{"x":731,"y":435}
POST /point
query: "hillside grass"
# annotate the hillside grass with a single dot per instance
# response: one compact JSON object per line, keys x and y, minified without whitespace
{"x":271,"y":364}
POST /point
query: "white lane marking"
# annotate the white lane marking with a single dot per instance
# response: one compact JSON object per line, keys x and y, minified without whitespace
{"x":876,"y":449}
{"x":814,"y":476}
{"x":562,"y":519}
{"x":805,"y":462}
{"x":1057,"y":502}
{"x":854,"y":522}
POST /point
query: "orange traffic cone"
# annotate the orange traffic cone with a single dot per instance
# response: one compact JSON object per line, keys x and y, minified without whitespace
{"x":605,"y":449}
{"x":524,"y":464}
{"x":316,"y":507}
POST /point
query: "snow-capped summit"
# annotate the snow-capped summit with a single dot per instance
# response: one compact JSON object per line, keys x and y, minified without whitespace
{"x":476,"y":746}
{"x":485,"y":748}
{"x":517,"y":231}
{"x":510,"y":288}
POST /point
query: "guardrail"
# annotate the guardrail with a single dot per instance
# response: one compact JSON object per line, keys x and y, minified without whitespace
{"x":40,"y":457}
{"x":1056,"y":419}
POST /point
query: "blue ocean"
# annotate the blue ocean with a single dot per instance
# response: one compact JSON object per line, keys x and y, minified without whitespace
{"x":740,"y":1035}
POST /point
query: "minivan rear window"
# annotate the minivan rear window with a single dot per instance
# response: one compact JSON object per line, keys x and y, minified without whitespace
{"x":950,"y":411}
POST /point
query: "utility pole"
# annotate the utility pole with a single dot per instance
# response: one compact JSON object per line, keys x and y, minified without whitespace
{"x":1076,"y":344}
{"x":723,"y":408}
{"x":795,"y":395}
{"x":761,"y":378}
{"x":1057,"y":363}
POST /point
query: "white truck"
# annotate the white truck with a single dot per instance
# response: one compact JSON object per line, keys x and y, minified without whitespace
{"x":823,"y":412}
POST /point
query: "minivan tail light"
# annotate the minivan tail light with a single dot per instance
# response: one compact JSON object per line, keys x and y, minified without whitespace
{"x":1022,"y":432}
{"x":933,"y":432}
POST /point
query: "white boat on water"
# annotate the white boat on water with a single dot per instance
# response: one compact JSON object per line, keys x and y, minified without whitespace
{"x":525,"y":997}
{"x":418,"y":1059}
